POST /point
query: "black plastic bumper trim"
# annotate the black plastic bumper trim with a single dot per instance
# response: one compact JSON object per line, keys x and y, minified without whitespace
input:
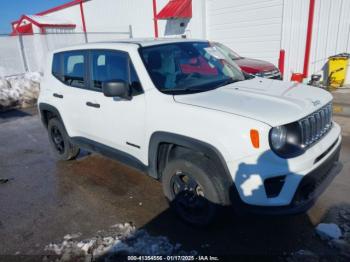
{"x":327,"y":171}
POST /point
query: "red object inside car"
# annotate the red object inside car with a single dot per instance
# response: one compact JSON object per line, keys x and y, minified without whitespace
{"x":198,"y":65}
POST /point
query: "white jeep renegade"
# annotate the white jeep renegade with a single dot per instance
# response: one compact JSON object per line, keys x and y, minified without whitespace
{"x":182,"y":112}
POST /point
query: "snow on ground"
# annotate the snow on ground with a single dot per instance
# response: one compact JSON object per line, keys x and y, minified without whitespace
{"x":338,"y":226}
{"x":328,"y":231}
{"x":19,"y":91}
{"x":343,"y":243}
{"x":118,"y":240}
{"x":303,"y":256}
{"x":335,"y":233}
{"x":2,"y":72}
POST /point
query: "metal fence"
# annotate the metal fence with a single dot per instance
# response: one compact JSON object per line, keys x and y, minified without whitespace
{"x":26,"y":53}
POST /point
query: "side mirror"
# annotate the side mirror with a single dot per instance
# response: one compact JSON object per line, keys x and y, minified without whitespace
{"x":117,"y":88}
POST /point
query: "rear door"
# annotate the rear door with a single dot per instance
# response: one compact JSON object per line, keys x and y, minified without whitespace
{"x":71,"y":69}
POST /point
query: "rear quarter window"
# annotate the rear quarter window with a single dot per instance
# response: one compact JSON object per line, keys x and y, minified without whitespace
{"x":57,"y":66}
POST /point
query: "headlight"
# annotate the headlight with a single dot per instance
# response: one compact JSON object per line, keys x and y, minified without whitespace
{"x":278,"y":137}
{"x":285,"y":140}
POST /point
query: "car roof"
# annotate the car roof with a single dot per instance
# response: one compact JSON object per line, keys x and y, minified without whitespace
{"x":158,"y":41}
{"x":141,"y":42}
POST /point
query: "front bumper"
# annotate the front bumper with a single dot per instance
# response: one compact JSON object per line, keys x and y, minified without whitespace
{"x":310,"y":188}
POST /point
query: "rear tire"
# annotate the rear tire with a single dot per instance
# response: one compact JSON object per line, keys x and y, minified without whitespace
{"x":192,"y":186}
{"x":60,"y":142}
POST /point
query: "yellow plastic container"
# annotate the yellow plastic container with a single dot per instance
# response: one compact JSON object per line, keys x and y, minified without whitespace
{"x":337,"y":68}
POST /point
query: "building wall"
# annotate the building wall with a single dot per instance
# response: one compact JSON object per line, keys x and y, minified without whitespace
{"x":72,"y":14}
{"x":293,"y":35}
{"x":252,"y":28}
{"x":330,"y":34}
{"x":114,"y":16}
{"x":259,"y":29}
{"x":118,"y":15}
{"x":331,"y":31}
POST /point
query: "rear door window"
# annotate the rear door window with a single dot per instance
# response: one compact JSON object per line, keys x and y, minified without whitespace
{"x":74,"y":68}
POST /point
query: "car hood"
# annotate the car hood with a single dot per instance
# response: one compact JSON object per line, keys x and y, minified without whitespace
{"x":270,"y":101}
{"x":254,"y":66}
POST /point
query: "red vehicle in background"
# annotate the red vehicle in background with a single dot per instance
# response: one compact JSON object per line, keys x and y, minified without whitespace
{"x":255,"y":67}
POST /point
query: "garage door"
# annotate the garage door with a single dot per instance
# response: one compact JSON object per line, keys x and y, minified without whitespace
{"x":250,"y":27}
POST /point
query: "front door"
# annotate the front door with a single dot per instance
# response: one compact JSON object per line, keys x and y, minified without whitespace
{"x":118,"y":123}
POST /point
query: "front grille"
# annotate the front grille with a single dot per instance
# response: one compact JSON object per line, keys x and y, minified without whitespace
{"x":315,"y":126}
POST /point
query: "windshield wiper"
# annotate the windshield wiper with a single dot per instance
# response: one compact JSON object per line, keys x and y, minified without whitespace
{"x":182,"y":90}
{"x":193,"y":89}
{"x":227,"y":82}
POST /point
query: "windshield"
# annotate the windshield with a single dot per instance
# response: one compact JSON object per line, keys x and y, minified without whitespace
{"x":227,"y":51}
{"x":189,"y":67}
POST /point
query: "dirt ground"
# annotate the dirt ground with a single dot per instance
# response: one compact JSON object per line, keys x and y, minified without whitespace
{"x":45,"y":199}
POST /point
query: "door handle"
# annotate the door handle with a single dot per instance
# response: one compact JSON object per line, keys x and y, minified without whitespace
{"x":93,"y":104}
{"x":58,"y":95}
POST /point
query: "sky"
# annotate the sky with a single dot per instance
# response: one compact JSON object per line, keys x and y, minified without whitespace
{"x":11,"y":10}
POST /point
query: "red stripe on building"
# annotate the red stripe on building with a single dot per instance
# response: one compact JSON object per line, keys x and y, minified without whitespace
{"x":54,"y":9}
{"x":60,"y":7}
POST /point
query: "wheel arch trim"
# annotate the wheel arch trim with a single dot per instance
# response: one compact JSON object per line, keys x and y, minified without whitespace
{"x":208,"y":150}
{"x":46,"y":107}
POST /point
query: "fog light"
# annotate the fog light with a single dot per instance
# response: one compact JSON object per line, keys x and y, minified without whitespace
{"x":273,"y":186}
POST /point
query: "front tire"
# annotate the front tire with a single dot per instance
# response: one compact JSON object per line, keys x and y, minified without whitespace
{"x":59,"y":140}
{"x":191,"y":185}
